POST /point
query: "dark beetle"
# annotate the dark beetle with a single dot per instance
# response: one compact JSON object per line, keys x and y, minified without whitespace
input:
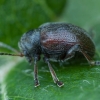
{"x":57,"y":42}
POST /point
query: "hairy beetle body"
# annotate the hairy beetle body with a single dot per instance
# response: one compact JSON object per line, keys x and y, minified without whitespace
{"x":58,"y":38}
{"x":57,"y":42}
{"x":54,"y":40}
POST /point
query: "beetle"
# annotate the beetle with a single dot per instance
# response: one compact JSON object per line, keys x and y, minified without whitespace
{"x":57,"y":42}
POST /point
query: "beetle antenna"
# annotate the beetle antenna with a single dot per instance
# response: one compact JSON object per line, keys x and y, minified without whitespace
{"x":9,"y":54}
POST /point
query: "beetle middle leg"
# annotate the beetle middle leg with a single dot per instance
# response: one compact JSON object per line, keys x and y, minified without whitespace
{"x":54,"y":76}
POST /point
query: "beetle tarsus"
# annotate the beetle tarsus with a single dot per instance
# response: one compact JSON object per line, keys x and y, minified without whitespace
{"x":97,"y":63}
{"x":59,"y":83}
{"x":36,"y":83}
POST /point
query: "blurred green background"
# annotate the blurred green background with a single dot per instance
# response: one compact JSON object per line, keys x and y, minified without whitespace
{"x":19,"y":16}
{"x":82,"y":82}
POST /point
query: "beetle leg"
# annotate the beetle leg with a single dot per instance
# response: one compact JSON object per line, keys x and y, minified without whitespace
{"x":36,"y":74}
{"x":90,"y":61}
{"x":76,"y":47}
{"x":54,"y":76}
{"x":72,"y":51}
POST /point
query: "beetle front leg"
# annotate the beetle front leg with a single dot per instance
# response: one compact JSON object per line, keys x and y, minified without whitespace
{"x":54,"y":76}
{"x":36,"y":74}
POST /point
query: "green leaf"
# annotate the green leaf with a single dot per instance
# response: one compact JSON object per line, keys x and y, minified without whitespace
{"x":81,"y":81}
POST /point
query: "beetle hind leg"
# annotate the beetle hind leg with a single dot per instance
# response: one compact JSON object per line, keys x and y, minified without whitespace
{"x":90,"y":61}
{"x":77,"y":47}
{"x":54,"y":76}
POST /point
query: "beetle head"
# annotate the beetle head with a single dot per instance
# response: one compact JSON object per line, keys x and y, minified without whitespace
{"x":29,"y":44}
